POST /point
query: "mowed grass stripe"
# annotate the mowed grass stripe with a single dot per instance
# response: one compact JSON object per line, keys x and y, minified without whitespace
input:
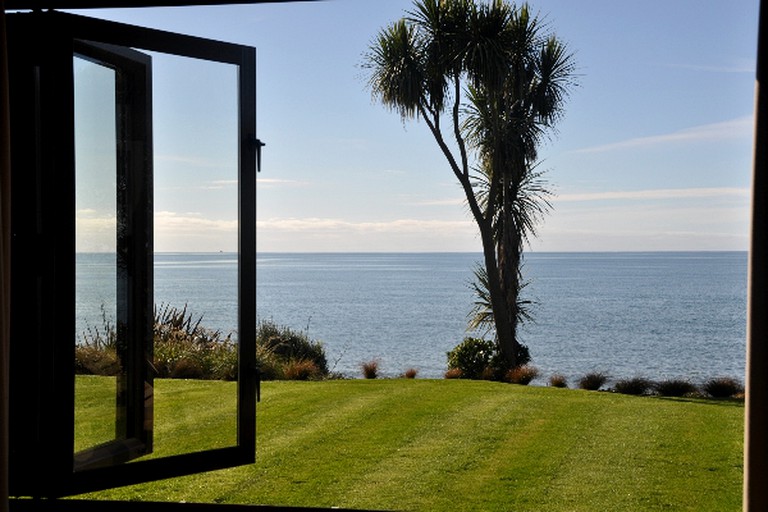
{"x":361,"y":438}
{"x":463,"y":445}
{"x":646,"y":454}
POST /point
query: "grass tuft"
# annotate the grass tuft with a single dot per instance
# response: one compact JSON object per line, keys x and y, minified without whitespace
{"x":522,"y":375}
{"x":411,"y":373}
{"x":370,"y":369}
{"x":723,"y":387}
{"x":633,"y":386}
{"x":453,"y":373}
{"x":558,"y":381}
{"x":300,"y":369}
{"x":593,"y":381}
{"x":675,"y":388}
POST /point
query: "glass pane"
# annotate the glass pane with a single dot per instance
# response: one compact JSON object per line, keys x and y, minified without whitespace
{"x":195,"y":122}
{"x":96,"y":241}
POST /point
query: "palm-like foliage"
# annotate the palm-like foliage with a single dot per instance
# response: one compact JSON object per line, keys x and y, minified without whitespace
{"x":481,"y":316}
{"x":397,"y":77}
{"x":501,"y":80}
{"x":531,"y":202}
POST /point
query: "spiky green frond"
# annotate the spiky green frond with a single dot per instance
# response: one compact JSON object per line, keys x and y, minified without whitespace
{"x":481,"y":316}
{"x":397,"y":69}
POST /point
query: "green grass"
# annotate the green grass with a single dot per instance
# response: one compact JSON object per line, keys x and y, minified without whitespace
{"x":470,"y":445}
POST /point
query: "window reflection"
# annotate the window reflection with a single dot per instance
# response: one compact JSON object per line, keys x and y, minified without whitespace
{"x":96,"y":241}
{"x":196,"y":179}
{"x":195,"y":129}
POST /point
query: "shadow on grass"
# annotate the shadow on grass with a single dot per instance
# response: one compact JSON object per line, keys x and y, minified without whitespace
{"x":721,"y":402}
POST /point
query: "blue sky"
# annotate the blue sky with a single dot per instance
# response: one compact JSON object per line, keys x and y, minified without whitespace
{"x":654,"y":151}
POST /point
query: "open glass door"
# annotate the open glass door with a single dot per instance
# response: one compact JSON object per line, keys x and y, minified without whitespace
{"x":122,"y":134}
{"x":113,"y":267}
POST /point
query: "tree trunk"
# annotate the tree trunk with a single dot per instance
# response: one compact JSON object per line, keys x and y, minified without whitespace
{"x":508,"y":251}
{"x":505,"y":329}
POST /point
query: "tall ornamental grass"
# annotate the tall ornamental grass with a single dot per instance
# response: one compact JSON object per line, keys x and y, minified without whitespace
{"x":185,"y":349}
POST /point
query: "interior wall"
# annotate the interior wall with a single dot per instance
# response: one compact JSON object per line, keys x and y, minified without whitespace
{"x":5,"y":269}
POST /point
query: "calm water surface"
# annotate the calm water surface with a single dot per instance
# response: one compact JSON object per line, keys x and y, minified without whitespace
{"x":627,"y":314}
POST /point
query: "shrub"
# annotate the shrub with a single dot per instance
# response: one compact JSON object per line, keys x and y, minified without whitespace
{"x":522,"y":375}
{"x":220,"y":360}
{"x":288,"y":344}
{"x":300,"y":369}
{"x":558,"y":381}
{"x":471,"y":357}
{"x":370,"y":369}
{"x":187,"y":368}
{"x":722,"y":387}
{"x":269,"y":364}
{"x":633,"y":386}
{"x":675,"y":387}
{"x":492,"y":373}
{"x":184,"y":348}
{"x":90,"y":360}
{"x":101,"y":338}
{"x":593,"y":381}
{"x":411,"y":373}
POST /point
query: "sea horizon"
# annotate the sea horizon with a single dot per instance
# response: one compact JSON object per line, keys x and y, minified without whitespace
{"x":653,"y":313}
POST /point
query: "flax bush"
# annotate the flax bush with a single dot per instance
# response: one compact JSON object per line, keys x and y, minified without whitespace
{"x":287,"y":345}
{"x":185,"y":349}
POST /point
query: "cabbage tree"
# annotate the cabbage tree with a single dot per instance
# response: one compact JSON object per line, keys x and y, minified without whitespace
{"x":489,"y":81}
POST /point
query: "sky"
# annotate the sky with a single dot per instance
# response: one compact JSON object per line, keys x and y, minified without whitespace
{"x":653,"y":153}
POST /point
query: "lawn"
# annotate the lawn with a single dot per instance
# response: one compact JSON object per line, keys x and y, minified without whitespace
{"x":432,"y":445}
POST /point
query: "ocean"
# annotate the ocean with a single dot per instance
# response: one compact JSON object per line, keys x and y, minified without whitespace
{"x":656,"y":315}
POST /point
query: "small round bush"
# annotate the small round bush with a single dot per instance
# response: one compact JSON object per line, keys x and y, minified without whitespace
{"x":411,"y":373}
{"x":453,"y":373}
{"x":472,"y":356}
{"x":522,"y":375}
{"x":633,"y":386}
{"x":675,"y":387}
{"x":558,"y":381}
{"x":722,"y":387}
{"x":593,"y":381}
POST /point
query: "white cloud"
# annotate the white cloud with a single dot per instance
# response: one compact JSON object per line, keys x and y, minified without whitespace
{"x":192,"y":232}
{"x":742,"y":66}
{"x":276,"y":182}
{"x":175,"y":223}
{"x":727,"y":130}
{"x":451,"y":201}
{"x":341,"y":235}
{"x":672,"y":193}
{"x":657,"y":226}
{"x":317,"y":225}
